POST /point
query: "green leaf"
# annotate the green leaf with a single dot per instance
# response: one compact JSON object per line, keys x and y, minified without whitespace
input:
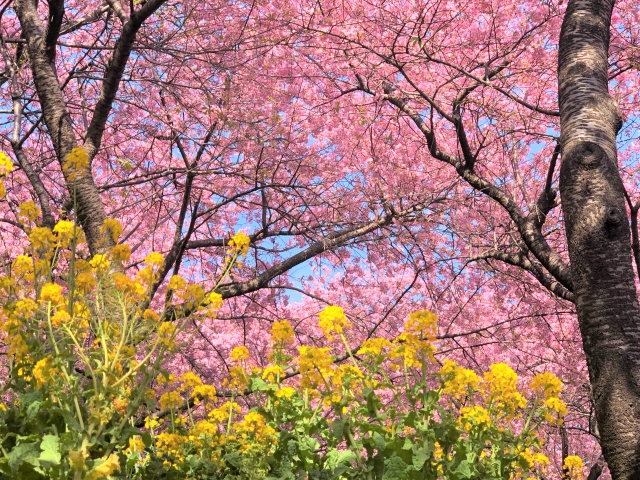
{"x":337,"y":427}
{"x":309,"y":444}
{"x":23,"y":453}
{"x":464,"y":469}
{"x":146,"y":439}
{"x":335,"y":459}
{"x":420,"y":456}
{"x":32,"y":409}
{"x":50,"y":447}
{"x":29,"y":398}
{"x":379,"y":441}
{"x":259,"y":384}
{"x":394,"y":469}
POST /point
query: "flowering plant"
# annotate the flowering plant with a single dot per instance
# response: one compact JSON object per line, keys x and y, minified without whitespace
{"x":86,"y":394}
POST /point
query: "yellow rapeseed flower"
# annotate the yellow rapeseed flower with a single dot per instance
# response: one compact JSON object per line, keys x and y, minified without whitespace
{"x":316,"y":365}
{"x":239,"y":243}
{"x":254,"y":431}
{"x":193,"y":296}
{"x":121,"y":405}
{"x":273,"y":373}
{"x":225,"y":410}
{"x":189,"y":380}
{"x":18,"y":347}
{"x":204,"y":391}
{"x":26,"y":308}
{"x":546,"y":383}
{"x":42,"y":240}
{"x":557,"y":406}
{"x":285,"y":392}
{"x":59,"y":318}
{"x":170,"y":445}
{"x":6,"y":283}
{"x":535,"y":459}
{"x":332,"y":320}
{"x":500,"y":383}
{"x":411,"y":349}
{"x":105,"y":469}
{"x":6,"y":165}
{"x":120,"y":253}
{"x":177,"y":283}
{"x":154,"y":259}
{"x":111,"y":227}
{"x":45,"y":371}
{"x":374,"y":346}
{"x":148,"y":275}
{"x":28,"y":211}
{"x":238,"y":377}
{"x":136,"y":445}
{"x":166,"y":331}
{"x":423,"y":323}
{"x":100,"y":263}
{"x":475,"y":416}
{"x":213,"y":300}
{"x":170,"y":400}
{"x":22,"y":266}
{"x":85,"y":281}
{"x":150,"y":316}
{"x":458,"y":381}
{"x":238,"y":354}
{"x":65,"y":231}
{"x":128,"y":286}
{"x":52,"y":292}
{"x":282,"y":333}
{"x":77,"y":160}
{"x":573,"y":466}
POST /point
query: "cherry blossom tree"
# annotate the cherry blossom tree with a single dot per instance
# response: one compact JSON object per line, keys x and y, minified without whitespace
{"x":383,"y":156}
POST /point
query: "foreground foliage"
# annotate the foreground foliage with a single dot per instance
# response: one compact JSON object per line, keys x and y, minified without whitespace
{"x":86,"y":394}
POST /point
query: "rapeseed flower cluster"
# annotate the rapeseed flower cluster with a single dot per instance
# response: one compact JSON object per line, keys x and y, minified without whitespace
{"x":501,"y":389}
{"x":316,"y":366}
{"x":6,"y":167}
{"x":573,"y":467}
{"x":374,"y":347}
{"x":107,"y":320}
{"x":281,"y":333}
{"x":459,"y":381}
{"x":45,"y":371}
{"x":254,"y":433}
{"x":239,"y":244}
{"x":475,"y":416}
{"x":332,"y":320}
{"x":76,"y":162}
{"x":84,"y":334}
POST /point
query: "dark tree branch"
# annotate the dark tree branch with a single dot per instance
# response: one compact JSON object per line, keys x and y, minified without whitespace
{"x":113,"y":75}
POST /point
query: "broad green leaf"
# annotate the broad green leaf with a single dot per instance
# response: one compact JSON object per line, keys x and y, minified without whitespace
{"x":464,"y":469}
{"x":23,"y":453}
{"x":50,"y":447}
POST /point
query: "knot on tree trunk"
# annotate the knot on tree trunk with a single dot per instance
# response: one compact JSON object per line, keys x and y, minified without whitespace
{"x":614,"y":216}
{"x":589,"y":155}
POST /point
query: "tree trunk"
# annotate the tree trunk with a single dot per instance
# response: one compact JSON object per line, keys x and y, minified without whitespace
{"x":597,"y":229}
{"x":90,"y":210}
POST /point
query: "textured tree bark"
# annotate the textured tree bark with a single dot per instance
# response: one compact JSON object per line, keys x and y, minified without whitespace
{"x":597,"y":229}
{"x":90,"y":210}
